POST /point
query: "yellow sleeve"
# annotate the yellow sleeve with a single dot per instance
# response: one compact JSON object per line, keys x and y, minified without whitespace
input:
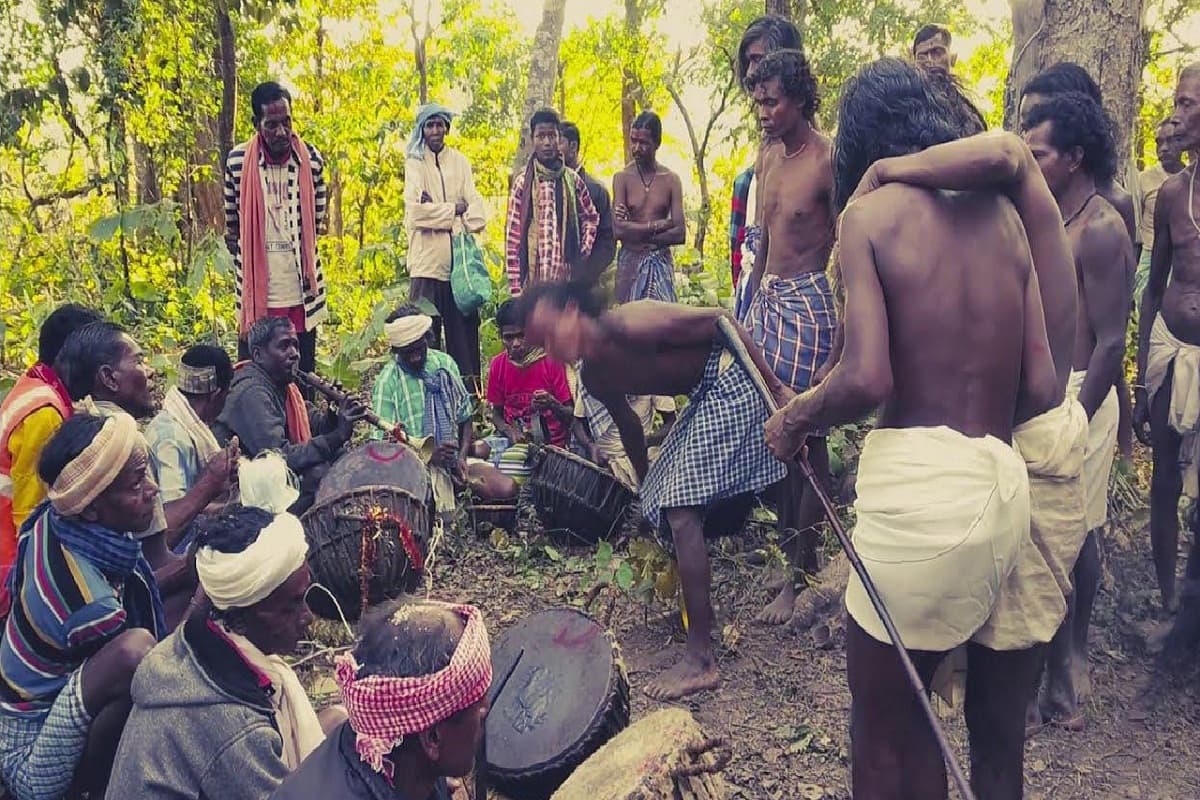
{"x":25,"y":444}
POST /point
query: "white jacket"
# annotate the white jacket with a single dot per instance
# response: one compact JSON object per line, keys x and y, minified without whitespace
{"x":446,"y":176}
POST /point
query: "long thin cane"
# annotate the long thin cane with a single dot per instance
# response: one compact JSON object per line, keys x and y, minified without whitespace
{"x":733,"y":341}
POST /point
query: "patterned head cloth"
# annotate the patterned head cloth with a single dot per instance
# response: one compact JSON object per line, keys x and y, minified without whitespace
{"x":416,"y":140}
{"x":197,"y":380}
{"x":383,"y":710}
{"x":90,"y":473}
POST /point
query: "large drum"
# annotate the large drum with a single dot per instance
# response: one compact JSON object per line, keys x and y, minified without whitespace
{"x":368,"y":530}
{"x":664,"y":755}
{"x":573,"y":494}
{"x":567,"y":697}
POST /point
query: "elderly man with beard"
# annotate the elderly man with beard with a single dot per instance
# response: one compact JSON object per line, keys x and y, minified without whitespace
{"x":217,"y":712}
{"x":86,"y":610}
{"x":416,"y":711}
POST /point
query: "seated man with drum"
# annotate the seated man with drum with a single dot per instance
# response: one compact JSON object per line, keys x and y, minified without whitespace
{"x":192,"y":471}
{"x":266,"y":411}
{"x":421,"y":390}
{"x":714,"y":453}
{"x":525,"y":388}
{"x":416,"y":711}
{"x":217,"y":712}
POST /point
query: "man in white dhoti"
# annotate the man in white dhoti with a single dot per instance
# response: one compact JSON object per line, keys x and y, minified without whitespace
{"x":1167,"y":398}
{"x":953,"y":355}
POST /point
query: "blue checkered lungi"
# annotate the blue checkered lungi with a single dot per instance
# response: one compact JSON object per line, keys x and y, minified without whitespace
{"x":793,"y":320}
{"x":649,"y":276}
{"x":716,"y":449}
{"x":38,"y":755}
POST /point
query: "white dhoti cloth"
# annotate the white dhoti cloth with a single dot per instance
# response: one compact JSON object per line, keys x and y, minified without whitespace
{"x":1101,"y":451}
{"x":1184,"y":413}
{"x":1032,"y":602}
{"x":941,"y":518}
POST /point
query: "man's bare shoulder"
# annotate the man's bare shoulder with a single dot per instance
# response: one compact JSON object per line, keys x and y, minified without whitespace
{"x":882,"y":207}
{"x":1173,"y":187}
{"x":1104,"y":234}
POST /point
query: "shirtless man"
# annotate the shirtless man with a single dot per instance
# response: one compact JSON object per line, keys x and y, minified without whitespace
{"x":647,"y":217}
{"x":943,"y":500}
{"x":714,"y":457}
{"x":1169,"y":335}
{"x":792,"y":315}
{"x":1070,"y":135}
{"x":1061,"y":78}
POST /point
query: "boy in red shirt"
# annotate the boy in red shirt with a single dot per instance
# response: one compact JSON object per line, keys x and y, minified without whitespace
{"x":524,"y":385}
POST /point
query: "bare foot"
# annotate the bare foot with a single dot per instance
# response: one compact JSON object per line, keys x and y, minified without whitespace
{"x":687,"y":677}
{"x":1061,"y":711}
{"x":775,"y":578}
{"x":780,"y":609}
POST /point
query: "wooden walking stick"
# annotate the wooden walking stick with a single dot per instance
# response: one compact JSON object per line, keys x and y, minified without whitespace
{"x":733,"y":340}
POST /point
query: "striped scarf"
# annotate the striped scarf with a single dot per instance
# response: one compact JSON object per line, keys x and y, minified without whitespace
{"x":443,"y":397}
{"x":117,"y":555}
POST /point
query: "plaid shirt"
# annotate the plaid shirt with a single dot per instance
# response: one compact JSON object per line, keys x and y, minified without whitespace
{"x":315,"y":310}
{"x":400,"y":397}
{"x":550,"y":264}
{"x":737,"y":220}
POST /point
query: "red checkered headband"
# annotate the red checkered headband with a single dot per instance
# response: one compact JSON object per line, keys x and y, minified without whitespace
{"x":384,"y":710}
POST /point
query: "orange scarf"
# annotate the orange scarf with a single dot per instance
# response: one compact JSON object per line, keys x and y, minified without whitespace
{"x":253,"y":240}
{"x":295,"y":411}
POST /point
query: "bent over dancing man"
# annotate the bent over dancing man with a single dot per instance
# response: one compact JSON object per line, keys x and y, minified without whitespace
{"x":714,"y":457}
{"x":954,"y":356}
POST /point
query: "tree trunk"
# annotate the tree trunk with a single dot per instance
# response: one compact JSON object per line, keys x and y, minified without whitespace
{"x":148,"y":190}
{"x":1102,"y":36}
{"x":630,"y":89}
{"x":227,"y":68}
{"x":781,"y":7}
{"x":543,"y":69}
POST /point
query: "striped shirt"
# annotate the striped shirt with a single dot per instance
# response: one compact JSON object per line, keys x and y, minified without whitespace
{"x":315,"y":310}
{"x":64,"y":611}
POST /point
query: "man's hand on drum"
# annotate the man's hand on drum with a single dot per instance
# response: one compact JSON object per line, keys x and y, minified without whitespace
{"x":446,"y":457}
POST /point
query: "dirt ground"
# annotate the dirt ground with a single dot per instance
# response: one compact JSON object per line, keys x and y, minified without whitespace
{"x":783,"y":701}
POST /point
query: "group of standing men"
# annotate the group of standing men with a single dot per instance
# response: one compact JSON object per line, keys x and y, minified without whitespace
{"x":988,"y":283}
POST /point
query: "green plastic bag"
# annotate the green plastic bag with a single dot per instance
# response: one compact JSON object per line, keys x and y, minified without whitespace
{"x":469,"y":278}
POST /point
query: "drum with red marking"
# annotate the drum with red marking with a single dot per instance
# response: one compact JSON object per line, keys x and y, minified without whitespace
{"x":369,"y":528}
{"x":567,"y":697}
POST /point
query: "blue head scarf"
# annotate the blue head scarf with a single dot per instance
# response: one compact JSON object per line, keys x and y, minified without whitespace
{"x":416,"y":142}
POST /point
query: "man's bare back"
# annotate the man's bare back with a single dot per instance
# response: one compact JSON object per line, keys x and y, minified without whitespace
{"x":650,"y":347}
{"x":1099,"y":226}
{"x":955,"y":359}
{"x":795,"y":207}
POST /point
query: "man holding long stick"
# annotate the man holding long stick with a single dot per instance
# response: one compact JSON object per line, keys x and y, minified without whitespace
{"x":954,"y":356}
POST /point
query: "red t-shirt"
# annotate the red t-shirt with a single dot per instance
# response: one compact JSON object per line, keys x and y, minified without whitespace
{"x":511,"y":388}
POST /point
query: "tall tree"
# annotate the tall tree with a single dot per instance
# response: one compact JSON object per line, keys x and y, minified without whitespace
{"x":543,"y":70}
{"x":1102,"y":36}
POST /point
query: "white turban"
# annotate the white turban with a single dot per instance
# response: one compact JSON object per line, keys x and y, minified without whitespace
{"x":267,"y":483}
{"x":406,"y":330}
{"x":239,"y":580}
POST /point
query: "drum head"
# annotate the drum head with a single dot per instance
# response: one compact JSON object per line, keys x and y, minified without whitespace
{"x":376,"y":464}
{"x":556,"y":695}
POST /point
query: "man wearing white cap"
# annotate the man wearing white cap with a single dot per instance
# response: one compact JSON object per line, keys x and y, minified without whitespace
{"x":422,"y":390}
{"x":217,"y":712}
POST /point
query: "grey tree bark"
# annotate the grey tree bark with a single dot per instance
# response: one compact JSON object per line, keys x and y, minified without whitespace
{"x":543,"y":71}
{"x":1102,"y":36}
